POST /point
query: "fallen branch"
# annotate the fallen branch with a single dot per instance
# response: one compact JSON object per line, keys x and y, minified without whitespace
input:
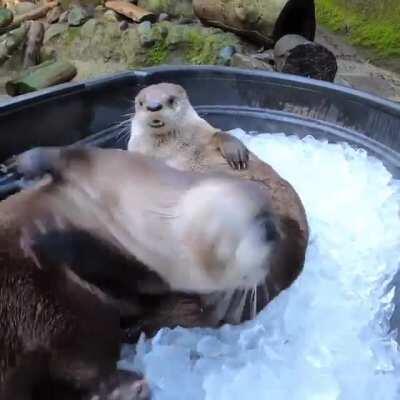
{"x":47,"y":74}
{"x":11,"y":41}
{"x":135,"y":13}
{"x":37,"y":13}
{"x":34,"y":44}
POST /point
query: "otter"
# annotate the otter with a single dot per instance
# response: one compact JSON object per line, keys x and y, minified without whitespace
{"x":200,"y":233}
{"x":59,"y":338}
{"x":166,"y":126}
{"x":88,"y":242}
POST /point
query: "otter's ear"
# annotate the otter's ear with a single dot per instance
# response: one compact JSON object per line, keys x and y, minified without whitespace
{"x":232,"y":149}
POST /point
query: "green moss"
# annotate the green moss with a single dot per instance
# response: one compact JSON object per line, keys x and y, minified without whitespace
{"x":380,"y":33}
{"x":158,"y":54}
{"x":204,"y":49}
{"x":71,"y":35}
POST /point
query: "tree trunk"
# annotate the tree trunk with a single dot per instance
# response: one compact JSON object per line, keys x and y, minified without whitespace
{"x":41,"y":76}
{"x":135,"y":13}
{"x":34,"y":44}
{"x":11,"y":41}
{"x":263,"y":21}
{"x":37,"y":13}
{"x":296,"y":55}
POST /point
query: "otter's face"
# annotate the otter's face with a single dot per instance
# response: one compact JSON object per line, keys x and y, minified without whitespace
{"x":161,"y":108}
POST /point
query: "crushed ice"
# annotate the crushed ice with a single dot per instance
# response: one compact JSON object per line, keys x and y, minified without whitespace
{"x":328,"y":336}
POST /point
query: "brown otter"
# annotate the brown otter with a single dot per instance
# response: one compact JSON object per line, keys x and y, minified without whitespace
{"x":151,"y":203}
{"x":59,"y":339}
{"x":159,"y":307}
{"x":170,"y":129}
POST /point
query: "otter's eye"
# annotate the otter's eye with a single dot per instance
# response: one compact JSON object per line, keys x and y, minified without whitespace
{"x":141,"y":103}
{"x":171,"y":101}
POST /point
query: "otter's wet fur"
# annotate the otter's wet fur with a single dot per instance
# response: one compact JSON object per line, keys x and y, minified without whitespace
{"x":58,"y":339}
{"x":166,"y":126}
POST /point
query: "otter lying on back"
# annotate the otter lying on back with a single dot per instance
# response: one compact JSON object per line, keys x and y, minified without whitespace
{"x":199,"y":232}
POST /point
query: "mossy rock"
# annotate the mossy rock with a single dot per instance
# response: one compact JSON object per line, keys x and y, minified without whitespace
{"x":175,"y":8}
{"x":101,"y":42}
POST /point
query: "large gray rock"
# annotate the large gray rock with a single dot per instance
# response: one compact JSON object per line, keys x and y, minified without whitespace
{"x":54,"y":31}
{"x":146,"y":34}
{"x":77,"y":16}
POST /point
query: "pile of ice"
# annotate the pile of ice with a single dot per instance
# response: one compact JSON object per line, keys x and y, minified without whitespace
{"x":328,"y":336}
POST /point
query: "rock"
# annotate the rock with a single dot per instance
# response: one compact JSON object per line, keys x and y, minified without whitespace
{"x":24,"y":7}
{"x":99,"y":46}
{"x":146,"y":34}
{"x":111,"y":15}
{"x":163,"y":17}
{"x":54,"y":15}
{"x":89,"y":28}
{"x":77,"y":16}
{"x":248,"y":62}
{"x":64,"y":17}
{"x":54,"y":30}
{"x":123,"y":25}
{"x":6,"y":17}
{"x":225,"y":55}
{"x":175,"y":8}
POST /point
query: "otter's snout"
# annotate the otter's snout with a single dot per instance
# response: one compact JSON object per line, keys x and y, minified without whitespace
{"x":154,"y":106}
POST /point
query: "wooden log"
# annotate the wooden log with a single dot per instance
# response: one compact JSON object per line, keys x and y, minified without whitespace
{"x":33,"y":44}
{"x":41,"y":76}
{"x":6,"y":17}
{"x":296,"y":55}
{"x":135,"y":13}
{"x":37,"y":13}
{"x":11,"y":41}
{"x":263,"y":21}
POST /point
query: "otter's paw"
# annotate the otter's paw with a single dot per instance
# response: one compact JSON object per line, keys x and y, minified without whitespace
{"x":234,"y":151}
{"x":123,"y":385}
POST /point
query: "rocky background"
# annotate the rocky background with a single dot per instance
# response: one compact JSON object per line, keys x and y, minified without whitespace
{"x":43,"y":43}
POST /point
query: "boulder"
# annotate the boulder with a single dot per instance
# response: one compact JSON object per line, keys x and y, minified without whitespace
{"x":77,"y":16}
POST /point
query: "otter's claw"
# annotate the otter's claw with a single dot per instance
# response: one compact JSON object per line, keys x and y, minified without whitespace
{"x":234,"y":151}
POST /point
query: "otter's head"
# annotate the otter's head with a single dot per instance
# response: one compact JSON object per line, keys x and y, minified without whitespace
{"x":162,"y":108}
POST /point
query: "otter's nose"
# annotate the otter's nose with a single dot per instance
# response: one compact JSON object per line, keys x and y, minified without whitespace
{"x":154,"y":106}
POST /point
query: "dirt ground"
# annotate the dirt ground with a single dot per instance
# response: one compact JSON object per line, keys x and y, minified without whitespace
{"x":356,"y":70}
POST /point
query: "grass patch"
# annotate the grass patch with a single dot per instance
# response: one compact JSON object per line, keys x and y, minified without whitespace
{"x":380,"y":33}
{"x":158,"y":54}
